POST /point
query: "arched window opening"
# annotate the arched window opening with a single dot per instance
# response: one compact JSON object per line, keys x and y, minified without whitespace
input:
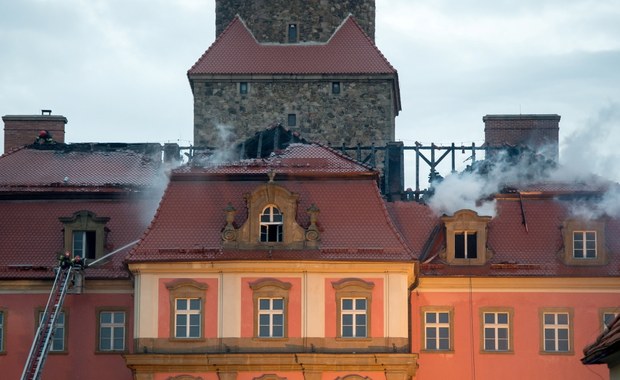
{"x":271,"y":222}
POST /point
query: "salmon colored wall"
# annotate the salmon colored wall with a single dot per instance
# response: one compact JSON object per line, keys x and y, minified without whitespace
{"x":294,"y":306}
{"x":172,"y":375}
{"x":376,"y":308}
{"x":210,"y":313}
{"x":81,"y":325}
{"x":526,"y":362}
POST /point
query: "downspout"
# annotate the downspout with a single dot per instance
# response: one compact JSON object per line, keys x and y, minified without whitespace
{"x":412,"y":287}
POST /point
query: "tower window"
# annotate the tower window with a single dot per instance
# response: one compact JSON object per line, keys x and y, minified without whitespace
{"x":292,"y":33}
{"x":243,"y":88}
{"x":291,"y":120}
{"x":271,"y":225}
{"x":336,"y":88}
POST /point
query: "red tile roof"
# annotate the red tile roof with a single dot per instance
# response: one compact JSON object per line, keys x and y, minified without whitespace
{"x":348,"y":51}
{"x":606,"y":346}
{"x":32,"y":235}
{"x":516,"y":251}
{"x":78,"y":165}
{"x":191,"y":216}
{"x":298,"y":159}
{"x":118,"y":181}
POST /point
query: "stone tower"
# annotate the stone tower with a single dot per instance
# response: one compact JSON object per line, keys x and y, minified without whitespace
{"x":311,"y":66}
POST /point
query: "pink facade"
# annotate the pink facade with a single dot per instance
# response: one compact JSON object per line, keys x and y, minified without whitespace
{"x":525,"y":359}
{"x":80,"y":340}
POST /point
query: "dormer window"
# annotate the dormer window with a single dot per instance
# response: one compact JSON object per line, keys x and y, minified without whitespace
{"x":584,"y":242}
{"x":271,"y":223}
{"x":85,"y":234}
{"x":465,"y":245}
{"x":292,"y":33}
{"x":466,"y":238}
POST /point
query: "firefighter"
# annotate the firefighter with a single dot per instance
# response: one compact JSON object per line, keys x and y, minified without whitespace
{"x":64,"y":261}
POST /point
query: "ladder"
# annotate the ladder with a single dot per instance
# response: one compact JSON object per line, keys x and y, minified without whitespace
{"x":47,"y":326}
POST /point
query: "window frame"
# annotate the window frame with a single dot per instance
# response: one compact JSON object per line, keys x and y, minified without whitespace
{"x":353,"y":288}
{"x":614,"y":311}
{"x":584,"y":249}
{"x":3,"y":322}
{"x":450,"y":324}
{"x":572,"y":226}
{"x":65,"y":326}
{"x":270,"y":288}
{"x":466,"y":221}
{"x":544,"y":326}
{"x":336,"y":87}
{"x":98,"y":348}
{"x":243,"y":88}
{"x":291,"y":116}
{"x":186,"y":289}
{"x":509,"y":326}
{"x":271,"y":224}
{"x":86,"y":221}
{"x":290,"y":26}
{"x":354,"y":311}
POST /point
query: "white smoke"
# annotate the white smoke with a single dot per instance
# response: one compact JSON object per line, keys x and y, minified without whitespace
{"x":225,"y":148}
{"x":588,"y":157}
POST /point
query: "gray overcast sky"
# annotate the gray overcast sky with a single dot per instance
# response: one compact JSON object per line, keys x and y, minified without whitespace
{"x":117,"y":68}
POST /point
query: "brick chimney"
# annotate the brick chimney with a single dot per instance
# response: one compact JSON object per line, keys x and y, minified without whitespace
{"x":538,"y":132}
{"x":20,"y":130}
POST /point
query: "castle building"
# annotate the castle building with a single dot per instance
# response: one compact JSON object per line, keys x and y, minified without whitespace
{"x":287,"y":261}
{"x":310,"y":66}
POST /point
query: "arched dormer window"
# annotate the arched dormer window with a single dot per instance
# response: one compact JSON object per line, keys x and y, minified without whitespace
{"x":271,"y":224}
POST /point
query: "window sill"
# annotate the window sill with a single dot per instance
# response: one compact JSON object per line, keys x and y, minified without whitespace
{"x":561,"y":353}
{"x":489,"y":352}
{"x":189,"y":340}
{"x":353,"y":338}
{"x":111,"y":352}
{"x":426,"y":351}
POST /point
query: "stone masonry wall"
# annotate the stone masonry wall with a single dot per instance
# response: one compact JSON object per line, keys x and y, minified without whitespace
{"x":316,"y":19}
{"x":362,"y":113}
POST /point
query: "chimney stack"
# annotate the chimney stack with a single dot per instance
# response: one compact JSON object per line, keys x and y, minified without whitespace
{"x":20,"y":130}
{"x":537,"y":132}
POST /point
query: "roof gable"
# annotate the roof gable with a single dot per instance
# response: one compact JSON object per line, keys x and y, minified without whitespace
{"x":348,"y":51}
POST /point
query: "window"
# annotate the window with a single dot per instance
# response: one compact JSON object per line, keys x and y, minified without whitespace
{"x":84,"y":244}
{"x":291,"y":120}
{"x":353,"y":322}
{"x":271,"y":225}
{"x":243,"y":88}
{"x":466,"y":238}
{"x":270,"y":308}
{"x":496,"y":330}
{"x":608,"y":316}
{"x":556,"y":334}
{"x":437,"y":330}
{"x":85,"y":234}
{"x":111,"y":331}
{"x":271,"y":317}
{"x":292,"y":33}
{"x":465,"y":245}
{"x":187,"y":318}
{"x":335,"y":88}
{"x":1,"y":331}
{"x":187,"y":299}
{"x":353,"y":301}
{"x":584,"y":244}
{"x":57,"y":344}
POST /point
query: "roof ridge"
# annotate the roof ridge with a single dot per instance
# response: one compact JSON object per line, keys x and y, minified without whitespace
{"x":218,"y":39}
{"x":13,"y":150}
{"x":370,"y":40}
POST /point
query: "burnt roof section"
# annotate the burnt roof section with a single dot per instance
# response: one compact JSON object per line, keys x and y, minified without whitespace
{"x":518,"y":250}
{"x":74,"y":167}
{"x":191,"y":215}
